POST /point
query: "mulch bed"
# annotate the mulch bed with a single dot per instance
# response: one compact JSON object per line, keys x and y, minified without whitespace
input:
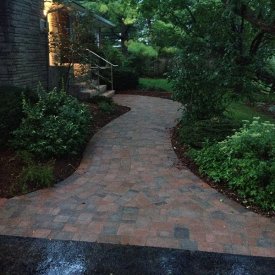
{"x":186,"y":162}
{"x":161,"y":94}
{"x":11,"y":165}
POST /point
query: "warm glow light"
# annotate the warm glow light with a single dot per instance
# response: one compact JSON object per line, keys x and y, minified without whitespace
{"x":47,"y":6}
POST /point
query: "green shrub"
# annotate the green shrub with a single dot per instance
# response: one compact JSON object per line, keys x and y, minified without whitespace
{"x":106,"y":107}
{"x":11,"y":110}
{"x":98,"y":99}
{"x":246,"y":161}
{"x":125,"y":80}
{"x":105,"y":104}
{"x":34,"y":174}
{"x":155,"y":84}
{"x":196,"y":133}
{"x":55,"y":126}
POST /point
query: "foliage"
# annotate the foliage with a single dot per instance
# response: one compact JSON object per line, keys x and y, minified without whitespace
{"x":99,"y":98}
{"x":11,"y":109}
{"x":105,"y":104}
{"x":115,"y":56}
{"x":55,"y":126}
{"x":123,"y":13}
{"x":67,"y":49}
{"x":125,"y":79}
{"x":156,"y":84}
{"x":140,"y":49}
{"x":239,"y":111}
{"x":106,"y":107}
{"x":246,"y":161}
{"x":200,"y":132}
{"x":214,"y":65}
{"x":34,"y":174}
{"x":203,"y":94}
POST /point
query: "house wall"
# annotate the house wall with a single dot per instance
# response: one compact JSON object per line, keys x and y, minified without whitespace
{"x":23,"y":44}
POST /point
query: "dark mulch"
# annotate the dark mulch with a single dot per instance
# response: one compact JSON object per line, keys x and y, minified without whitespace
{"x":11,"y":165}
{"x":186,"y":162}
{"x":160,"y":94}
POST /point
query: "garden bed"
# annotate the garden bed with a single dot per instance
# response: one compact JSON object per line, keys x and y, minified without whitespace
{"x":11,"y":165}
{"x":185,"y":161}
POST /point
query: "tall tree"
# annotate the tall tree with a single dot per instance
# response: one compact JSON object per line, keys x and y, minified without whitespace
{"x":260,"y":14}
{"x":123,"y":13}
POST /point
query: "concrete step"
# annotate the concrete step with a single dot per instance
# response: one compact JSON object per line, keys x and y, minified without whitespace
{"x":86,"y":91}
{"x":109,"y":93}
{"x":102,"y":89}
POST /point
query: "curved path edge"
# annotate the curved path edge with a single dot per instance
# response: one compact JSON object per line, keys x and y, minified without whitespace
{"x":128,"y":190}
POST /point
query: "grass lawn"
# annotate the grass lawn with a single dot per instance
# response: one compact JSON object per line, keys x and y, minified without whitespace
{"x":159,"y":84}
{"x":239,"y":111}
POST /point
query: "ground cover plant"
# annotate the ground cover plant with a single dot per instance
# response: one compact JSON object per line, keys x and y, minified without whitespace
{"x":246,"y":160}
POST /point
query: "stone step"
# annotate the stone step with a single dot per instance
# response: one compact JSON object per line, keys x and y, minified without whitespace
{"x":102,"y":88}
{"x":110,"y":93}
{"x":85,"y":92}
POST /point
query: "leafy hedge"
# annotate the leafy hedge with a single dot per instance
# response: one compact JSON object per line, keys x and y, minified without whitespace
{"x":55,"y":126}
{"x":11,"y":110}
{"x":246,"y":161}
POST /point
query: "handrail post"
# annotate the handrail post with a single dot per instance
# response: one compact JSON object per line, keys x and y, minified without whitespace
{"x":98,"y":84}
{"x":99,"y":68}
{"x":112,"y":78}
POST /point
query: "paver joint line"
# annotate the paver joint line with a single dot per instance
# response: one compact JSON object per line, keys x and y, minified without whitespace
{"x":127,"y":190}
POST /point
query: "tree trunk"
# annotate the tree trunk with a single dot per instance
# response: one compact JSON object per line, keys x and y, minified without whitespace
{"x":124,"y":38}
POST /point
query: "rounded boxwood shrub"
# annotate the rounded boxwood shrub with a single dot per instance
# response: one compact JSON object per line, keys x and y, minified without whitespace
{"x":55,"y":126}
{"x":11,"y":110}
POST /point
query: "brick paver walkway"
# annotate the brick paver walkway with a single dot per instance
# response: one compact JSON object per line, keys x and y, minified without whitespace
{"x":128,"y":190}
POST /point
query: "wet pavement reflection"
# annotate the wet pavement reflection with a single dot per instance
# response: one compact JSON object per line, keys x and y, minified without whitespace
{"x":40,"y":256}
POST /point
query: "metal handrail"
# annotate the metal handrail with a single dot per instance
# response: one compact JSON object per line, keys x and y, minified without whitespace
{"x":100,"y":57}
{"x":98,"y":68}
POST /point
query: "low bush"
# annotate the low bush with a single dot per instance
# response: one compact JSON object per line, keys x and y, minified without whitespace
{"x":196,"y":133}
{"x":106,"y":107}
{"x":34,"y":174}
{"x":98,"y":99}
{"x":105,"y":104}
{"x":155,"y":84}
{"x":246,"y":160}
{"x":11,"y":110}
{"x":125,"y":80}
{"x":55,"y":126}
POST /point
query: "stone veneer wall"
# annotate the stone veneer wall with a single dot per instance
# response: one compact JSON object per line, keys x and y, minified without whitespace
{"x":23,"y":46}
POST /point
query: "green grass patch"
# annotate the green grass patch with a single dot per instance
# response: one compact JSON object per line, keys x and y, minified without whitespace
{"x":155,"y":84}
{"x":239,"y":111}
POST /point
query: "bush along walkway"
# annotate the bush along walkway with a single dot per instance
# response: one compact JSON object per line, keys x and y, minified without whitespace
{"x":129,"y":191}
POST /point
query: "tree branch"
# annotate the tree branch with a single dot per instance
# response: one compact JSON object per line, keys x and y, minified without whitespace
{"x":248,"y":14}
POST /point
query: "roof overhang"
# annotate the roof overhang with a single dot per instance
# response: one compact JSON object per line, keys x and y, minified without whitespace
{"x":75,"y":6}
{"x":103,"y":21}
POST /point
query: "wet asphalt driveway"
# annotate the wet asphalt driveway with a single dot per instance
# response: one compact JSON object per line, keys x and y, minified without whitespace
{"x":40,"y":256}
